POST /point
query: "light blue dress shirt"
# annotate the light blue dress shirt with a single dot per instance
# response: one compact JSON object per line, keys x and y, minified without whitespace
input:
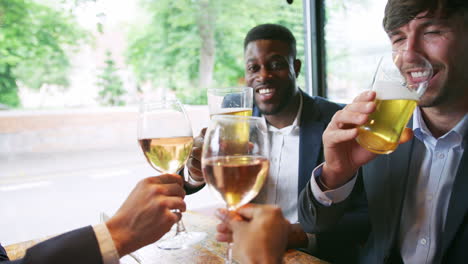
{"x":434,"y":164}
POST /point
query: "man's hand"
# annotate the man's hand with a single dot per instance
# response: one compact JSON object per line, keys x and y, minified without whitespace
{"x":146,"y":214}
{"x":259,"y":232}
{"x":194,"y":161}
{"x":343,"y":155}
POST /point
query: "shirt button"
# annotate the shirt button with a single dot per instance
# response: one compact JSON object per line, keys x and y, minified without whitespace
{"x":423,"y":241}
{"x":441,"y":155}
{"x":429,"y":197}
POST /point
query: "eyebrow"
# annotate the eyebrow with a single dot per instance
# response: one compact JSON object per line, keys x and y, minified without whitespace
{"x":427,"y":23}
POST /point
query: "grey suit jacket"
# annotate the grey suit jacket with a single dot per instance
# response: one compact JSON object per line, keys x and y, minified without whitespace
{"x":384,"y":181}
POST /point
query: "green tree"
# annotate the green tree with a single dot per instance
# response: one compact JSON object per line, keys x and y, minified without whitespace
{"x":35,"y":40}
{"x":112,"y":90}
{"x":190,"y":45}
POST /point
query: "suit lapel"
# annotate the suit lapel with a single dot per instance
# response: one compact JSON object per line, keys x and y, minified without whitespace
{"x":458,"y":205}
{"x":310,"y":138}
{"x":385,"y":181}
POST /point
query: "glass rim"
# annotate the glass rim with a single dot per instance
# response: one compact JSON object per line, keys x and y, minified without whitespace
{"x":155,"y":103}
{"x":234,"y":117}
{"x":230,"y":89}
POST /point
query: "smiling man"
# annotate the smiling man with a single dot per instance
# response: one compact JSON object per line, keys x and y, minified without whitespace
{"x":416,"y":196}
{"x":295,"y":122}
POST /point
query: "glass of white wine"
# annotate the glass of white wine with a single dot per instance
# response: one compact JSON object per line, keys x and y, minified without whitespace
{"x":230,"y":101}
{"x":234,"y":167}
{"x":165,"y":136}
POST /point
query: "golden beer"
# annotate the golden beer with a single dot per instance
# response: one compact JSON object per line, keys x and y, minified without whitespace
{"x":382,"y":131}
{"x":234,"y":111}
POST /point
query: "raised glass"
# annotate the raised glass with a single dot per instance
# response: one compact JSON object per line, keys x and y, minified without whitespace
{"x":400,"y":80}
{"x":235,"y":162}
{"x":230,"y":101}
{"x":165,"y":136}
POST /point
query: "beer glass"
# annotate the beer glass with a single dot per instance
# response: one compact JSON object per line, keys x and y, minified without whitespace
{"x":165,"y":137}
{"x":400,"y":80}
{"x":234,"y":169}
{"x":230,"y":101}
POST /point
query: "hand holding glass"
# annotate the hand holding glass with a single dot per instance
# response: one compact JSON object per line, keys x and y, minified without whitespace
{"x":400,"y":80}
{"x":165,"y":136}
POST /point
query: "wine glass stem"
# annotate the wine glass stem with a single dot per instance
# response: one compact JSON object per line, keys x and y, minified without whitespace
{"x":229,"y":253}
{"x":180,"y":225}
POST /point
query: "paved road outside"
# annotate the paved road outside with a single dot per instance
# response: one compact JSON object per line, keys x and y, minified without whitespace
{"x":46,"y":194}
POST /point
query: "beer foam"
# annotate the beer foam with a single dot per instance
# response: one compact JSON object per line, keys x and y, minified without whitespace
{"x":392,"y":91}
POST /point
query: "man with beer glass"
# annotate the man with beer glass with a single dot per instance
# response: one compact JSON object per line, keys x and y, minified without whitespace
{"x":416,"y":195}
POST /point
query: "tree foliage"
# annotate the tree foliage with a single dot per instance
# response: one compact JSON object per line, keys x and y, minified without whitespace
{"x":34,"y":42}
{"x":173,"y":49}
{"x":111,"y":85}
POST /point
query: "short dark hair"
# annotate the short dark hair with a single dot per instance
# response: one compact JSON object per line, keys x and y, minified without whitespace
{"x":400,"y":12}
{"x":272,"y":32}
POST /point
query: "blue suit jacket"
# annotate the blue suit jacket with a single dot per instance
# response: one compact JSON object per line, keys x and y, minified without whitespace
{"x":384,"y":180}
{"x":75,"y":247}
{"x":315,"y":116}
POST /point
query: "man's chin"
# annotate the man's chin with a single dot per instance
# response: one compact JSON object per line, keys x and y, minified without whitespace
{"x":269,"y":110}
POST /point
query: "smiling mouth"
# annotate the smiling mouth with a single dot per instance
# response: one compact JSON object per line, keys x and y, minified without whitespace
{"x":418,"y":76}
{"x":264,"y":90}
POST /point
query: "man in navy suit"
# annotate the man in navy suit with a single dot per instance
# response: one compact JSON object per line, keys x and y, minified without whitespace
{"x":295,"y":122}
{"x":417,"y":202}
{"x":141,"y":220}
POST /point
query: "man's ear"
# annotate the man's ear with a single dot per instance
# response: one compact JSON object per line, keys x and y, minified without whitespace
{"x":297,"y":66}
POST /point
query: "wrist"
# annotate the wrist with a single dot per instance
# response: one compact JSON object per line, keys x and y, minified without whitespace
{"x":331,"y":179}
{"x":119,"y":237}
{"x":297,"y":238}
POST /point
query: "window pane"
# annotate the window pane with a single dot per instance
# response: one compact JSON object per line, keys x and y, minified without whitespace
{"x":354,"y":39}
{"x":72,"y":73}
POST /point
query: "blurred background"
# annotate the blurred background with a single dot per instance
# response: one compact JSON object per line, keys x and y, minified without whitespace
{"x":72,"y":73}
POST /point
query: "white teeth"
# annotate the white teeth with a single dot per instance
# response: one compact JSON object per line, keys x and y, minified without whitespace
{"x":419,"y":74}
{"x":264,"y":91}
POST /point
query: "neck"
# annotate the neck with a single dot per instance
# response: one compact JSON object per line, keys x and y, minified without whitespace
{"x":287,"y":115}
{"x":441,"y":119}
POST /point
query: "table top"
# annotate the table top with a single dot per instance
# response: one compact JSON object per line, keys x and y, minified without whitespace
{"x":209,"y":251}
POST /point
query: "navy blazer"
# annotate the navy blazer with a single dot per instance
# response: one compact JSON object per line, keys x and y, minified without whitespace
{"x":75,"y":247}
{"x":384,"y":181}
{"x":315,"y":116}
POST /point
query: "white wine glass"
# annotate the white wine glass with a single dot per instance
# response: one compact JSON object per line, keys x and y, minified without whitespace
{"x":230,"y":101}
{"x":235,"y":160}
{"x":400,"y":81}
{"x":165,"y":136}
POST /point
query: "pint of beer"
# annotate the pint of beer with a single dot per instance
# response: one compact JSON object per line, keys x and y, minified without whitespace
{"x":400,"y":80}
{"x":230,"y":101}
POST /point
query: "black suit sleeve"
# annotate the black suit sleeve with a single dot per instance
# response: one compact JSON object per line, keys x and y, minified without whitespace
{"x":3,"y":255}
{"x":75,"y":247}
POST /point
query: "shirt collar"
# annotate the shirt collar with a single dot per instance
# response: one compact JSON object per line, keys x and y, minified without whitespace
{"x":294,"y":126}
{"x":421,"y":131}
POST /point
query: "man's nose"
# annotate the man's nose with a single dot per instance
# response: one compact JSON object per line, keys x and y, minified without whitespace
{"x":264,"y":74}
{"x":414,"y":44}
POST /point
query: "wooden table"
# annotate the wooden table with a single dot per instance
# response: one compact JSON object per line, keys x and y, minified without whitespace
{"x":209,"y":251}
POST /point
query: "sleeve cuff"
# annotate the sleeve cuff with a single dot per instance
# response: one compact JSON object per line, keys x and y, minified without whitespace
{"x":106,"y":244}
{"x":190,"y":180}
{"x":327,"y":198}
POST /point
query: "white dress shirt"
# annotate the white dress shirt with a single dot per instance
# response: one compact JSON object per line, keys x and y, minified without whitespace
{"x":280,"y":188}
{"x":434,"y":164}
{"x":106,"y":244}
